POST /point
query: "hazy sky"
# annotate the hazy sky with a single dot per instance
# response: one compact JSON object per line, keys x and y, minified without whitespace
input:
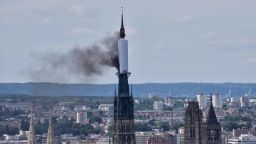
{"x":169,"y":40}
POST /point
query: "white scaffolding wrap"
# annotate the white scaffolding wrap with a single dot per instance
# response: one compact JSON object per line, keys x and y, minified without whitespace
{"x":123,"y":55}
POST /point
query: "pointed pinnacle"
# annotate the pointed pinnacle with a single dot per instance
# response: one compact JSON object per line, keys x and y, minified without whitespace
{"x":122,"y":29}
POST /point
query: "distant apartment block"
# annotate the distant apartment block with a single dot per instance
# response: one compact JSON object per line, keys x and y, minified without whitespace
{"x":169,"y":101}
{"x":244,"y":102}
{"x":105,"y":107}
{"x":216,"y":101}
{"x":158,"y":105}
{"x":201,"y":99}
{"x":81,"y":117}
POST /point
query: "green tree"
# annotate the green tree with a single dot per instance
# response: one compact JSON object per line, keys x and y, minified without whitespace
{"x":143,"y":127}
{"x":94,"y":119}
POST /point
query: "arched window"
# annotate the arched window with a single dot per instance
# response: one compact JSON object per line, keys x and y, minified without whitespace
{"x":192,"y":132}
{"x":212,"y":135}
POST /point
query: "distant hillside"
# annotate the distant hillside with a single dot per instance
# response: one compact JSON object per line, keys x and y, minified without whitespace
{"x":159,"y":89}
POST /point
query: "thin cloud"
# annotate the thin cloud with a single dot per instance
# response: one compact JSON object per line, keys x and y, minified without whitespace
{"x":131,"y":30}
{"x":46,"y":20}
{"x":77,"y":9}
{"x":247,"y":40}
{"x":82,"y":31}
{"x":250,"y":60}
{"x":208,"y":35}
{"x":185,"y":19}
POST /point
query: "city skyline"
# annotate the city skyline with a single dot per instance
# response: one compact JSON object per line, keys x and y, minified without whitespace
{"x":209,"y":41}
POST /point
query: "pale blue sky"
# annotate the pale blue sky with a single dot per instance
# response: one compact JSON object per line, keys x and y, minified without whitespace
{"x":169,"y":40}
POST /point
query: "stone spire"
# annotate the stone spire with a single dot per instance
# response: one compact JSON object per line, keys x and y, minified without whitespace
{"x":211,"y":116}
{"x":31,"y":134}
{"x":213,"y":127}
{"x":122,"y":29}
{"x":50,"y":135}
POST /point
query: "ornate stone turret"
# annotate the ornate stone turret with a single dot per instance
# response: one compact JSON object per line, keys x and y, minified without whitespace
{"x":122,"y":29}
{"x":31,"y":134}
{"x":211,"y":116}
{"x":193,"y":124}
{"x":50,"y":134}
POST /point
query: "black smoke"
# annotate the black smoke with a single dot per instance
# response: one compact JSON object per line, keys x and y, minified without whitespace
{"x":92,"y":60}
{"x":83,"y":62}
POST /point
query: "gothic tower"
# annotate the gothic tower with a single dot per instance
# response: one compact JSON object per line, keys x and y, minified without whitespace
{"x":193,"y":124}
{"x":50,"y":134}
{"x":123,"y":132}
{"x":213,"y":127}
{"x":31,"y":133}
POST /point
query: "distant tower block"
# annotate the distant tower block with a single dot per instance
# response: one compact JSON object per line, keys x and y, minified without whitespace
{"x":31,"y":133}
{"x":158,"y":105}
{"x":244,"y":102}
{"x":216,"y":101}
{"x":201,"y":99}
{"x":81,"y":117}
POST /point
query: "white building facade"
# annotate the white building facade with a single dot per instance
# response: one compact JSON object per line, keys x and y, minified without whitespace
{"x":81,"y":117}
{"x":216,"y":101}
{"x":158,"y":105}
{"x":243,"y":139}
{"x":201,"y":99}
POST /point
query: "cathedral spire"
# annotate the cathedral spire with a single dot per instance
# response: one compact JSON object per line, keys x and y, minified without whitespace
{"x":122,"y":29}
{"x":50,"y":135}
{"x":124,"y":130}
{"x":211,"y":116}
{"x":31,"y":134}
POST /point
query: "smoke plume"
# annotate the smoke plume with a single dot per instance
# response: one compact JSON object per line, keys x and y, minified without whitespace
{"x":83,"y":62}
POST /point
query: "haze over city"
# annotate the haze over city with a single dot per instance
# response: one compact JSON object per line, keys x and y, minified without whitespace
{"x":169,"y":41}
